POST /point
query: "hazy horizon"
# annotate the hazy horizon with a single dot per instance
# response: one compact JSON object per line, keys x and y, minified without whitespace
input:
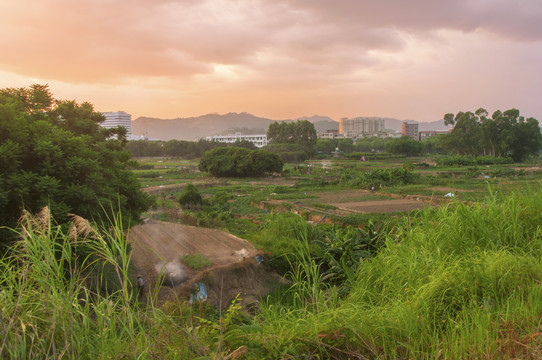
{"x":279,"y":59}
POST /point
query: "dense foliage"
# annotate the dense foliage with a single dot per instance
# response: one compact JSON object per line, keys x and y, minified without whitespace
{"x":190,"y":197}
{"x":501,"y":135}
{"x":54,"y":153}
{"x":233,"y":162}
{"x":289,"y":153}
{"x":377,"y":178}
{"x":179,"y":148}
{"x":301,"y":132}
{"x":404,"y":146}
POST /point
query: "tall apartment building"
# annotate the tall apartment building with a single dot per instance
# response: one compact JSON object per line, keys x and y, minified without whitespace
{"x":361,"y":126}
{"x":118,"y":118}
{"x":410,"y":129}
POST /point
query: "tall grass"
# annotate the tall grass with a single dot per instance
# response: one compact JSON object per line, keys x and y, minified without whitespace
{"x":49,"y":309}
{"x":69,"y":296}
{"x":458,"y":282}
{"x":462,"y":282}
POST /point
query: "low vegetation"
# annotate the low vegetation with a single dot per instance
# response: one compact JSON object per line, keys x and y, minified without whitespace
{"x":458,"y":278}
{"x":196,"y":261}
{"x":460,"y":281}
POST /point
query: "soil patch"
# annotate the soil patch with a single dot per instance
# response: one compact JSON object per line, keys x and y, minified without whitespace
{"x":382,"y":206}
{"x":157,"y":250}
{"x":340,"y":196}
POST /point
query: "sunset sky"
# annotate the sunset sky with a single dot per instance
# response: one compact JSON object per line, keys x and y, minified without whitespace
{"x":280,"y":59}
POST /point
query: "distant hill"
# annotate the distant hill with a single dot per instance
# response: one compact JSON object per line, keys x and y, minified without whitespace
{"x":194,"y":128}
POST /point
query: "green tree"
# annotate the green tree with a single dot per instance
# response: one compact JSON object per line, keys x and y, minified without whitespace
{"x":466,"y":136}
{"x":433,"y":144}
{"x":301,"y":132}
{"x":326,"y":146}
{"x":345,"y":145}
{"x":141,"y":148}
{"x":239,"y":162}
{"x":405,"y":145}
{"x":527,"y":140}
{"x":244,"y":144}
{"x":54,"y":153}
{"x":290,"y":153}
{"x":371,"y":144}
{"x":504,"y":134}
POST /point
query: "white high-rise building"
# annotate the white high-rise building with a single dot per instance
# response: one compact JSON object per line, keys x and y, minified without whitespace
{"x":118,"y":118}
{"x":361,"y":126}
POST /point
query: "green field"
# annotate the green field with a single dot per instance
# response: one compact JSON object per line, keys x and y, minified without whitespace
{"x":320,"y":186}
{"x":459,"y":279}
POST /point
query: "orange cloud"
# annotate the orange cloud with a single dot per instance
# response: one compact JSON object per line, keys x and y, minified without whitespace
{"x":278,"y":58}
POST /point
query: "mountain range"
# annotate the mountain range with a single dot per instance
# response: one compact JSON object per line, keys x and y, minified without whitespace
{"x":193,"y":128}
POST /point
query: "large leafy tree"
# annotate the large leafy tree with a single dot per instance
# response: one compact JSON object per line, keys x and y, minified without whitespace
{"x":54,"y":153}
{"x":503,"y":134}
{"x":234,"y":161}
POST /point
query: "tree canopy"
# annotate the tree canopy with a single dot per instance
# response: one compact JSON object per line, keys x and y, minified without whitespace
{"x":405,"y":145}
{"x":55,"y":153}
{"x":301,"y":132}
{"x":292,"y":141}
{"x":503,"y":134}
{"x":233,"y":162}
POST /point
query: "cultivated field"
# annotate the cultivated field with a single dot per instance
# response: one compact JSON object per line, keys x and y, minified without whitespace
{"x":320,"y":191}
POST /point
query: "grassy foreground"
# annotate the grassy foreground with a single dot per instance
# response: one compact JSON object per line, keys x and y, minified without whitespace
{"x":460,"y":282}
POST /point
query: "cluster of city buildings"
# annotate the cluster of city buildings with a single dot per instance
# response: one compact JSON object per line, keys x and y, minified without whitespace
{"x":363,"y":127}
{"x":360,"y":127}
{"x":411,"y":130}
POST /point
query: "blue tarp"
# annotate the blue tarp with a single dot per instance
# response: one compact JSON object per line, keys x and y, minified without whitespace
{"x":201,"y":292}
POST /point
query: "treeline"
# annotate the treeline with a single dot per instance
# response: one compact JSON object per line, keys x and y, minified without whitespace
{"x":289,"y":152}
{"x":398,"y":146}
{"x":505,"y":134}
{"x":179,"y":148}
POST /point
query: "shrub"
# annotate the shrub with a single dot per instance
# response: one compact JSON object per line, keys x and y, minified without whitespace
{"x":190,"y":197}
